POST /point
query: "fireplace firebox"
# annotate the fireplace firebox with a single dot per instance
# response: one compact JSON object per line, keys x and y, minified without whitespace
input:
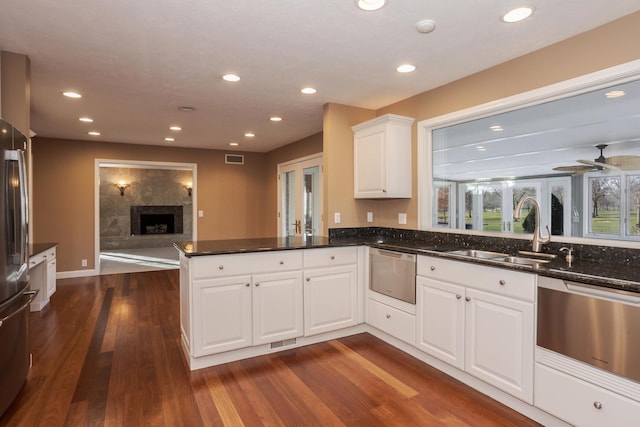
{"x":156,"y":220}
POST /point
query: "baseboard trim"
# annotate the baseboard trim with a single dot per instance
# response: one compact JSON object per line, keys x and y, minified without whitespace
{"x":77,"y":273}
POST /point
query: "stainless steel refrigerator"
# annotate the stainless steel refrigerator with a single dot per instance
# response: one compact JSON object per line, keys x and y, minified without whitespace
{"x":15,"y":295}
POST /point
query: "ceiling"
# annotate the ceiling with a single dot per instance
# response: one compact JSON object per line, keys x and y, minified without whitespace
{"x":532,"y":141}
{"x":136,"y":62}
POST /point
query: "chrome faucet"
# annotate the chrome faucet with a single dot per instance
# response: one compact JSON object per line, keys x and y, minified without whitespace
{"x":538,"y":240}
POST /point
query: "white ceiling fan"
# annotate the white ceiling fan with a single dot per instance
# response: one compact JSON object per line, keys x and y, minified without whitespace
{"x":603,"y":163}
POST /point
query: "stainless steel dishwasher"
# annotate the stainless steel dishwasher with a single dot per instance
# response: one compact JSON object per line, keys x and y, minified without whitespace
{"x":393,"y":273}
{"x":595,"y":325}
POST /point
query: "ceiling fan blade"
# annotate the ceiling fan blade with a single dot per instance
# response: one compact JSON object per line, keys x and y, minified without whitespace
{"x":624,"y":162}
{"x":576,"y":168}
{"x":598,"y":165}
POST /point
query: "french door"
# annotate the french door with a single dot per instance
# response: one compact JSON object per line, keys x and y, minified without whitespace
{"x":300,"y":197}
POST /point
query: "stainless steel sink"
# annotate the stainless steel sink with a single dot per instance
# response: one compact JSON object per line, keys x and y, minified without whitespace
{"x":473,"y":253}
{"x":521,"y":260}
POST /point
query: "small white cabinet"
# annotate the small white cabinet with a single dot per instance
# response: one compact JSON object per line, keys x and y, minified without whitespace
{"x":330,"y":289}
{"x":42,"y":276}
{"x":382,"y":157}
{"x":479,"y":319}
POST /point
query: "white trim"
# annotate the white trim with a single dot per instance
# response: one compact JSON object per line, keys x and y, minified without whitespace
{"x":77,"y":273}
{"x":138,"y":164}
{"x":615,"y":75}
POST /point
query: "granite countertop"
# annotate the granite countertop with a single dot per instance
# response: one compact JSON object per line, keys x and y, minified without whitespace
{"x":623,"y":275}
{"x":36,"y":248}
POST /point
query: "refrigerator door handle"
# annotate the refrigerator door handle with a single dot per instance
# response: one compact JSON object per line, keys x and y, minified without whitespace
{"x":24,"y":238}
{"x":31,"y":295}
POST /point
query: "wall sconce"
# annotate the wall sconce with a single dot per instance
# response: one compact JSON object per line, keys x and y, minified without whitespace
{"x":121,"y":186}
{"x":189,"y":187}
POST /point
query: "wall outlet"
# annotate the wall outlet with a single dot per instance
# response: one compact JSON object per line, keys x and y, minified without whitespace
{"x":402,"y":218}
{"x":84,"y":262}
{"x":200,"y":214}
{"x":336,"y":217}
{"x":369,"y":216}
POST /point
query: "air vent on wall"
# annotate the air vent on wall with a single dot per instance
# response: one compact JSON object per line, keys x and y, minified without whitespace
{"x":234,"y":159}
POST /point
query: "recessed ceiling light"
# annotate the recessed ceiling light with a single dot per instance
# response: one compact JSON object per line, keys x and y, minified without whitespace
{"x":615,"y":94}
{"x":517,"y":14}
{"x":94,"y":133}
{"x":496,"y":128}
{"x":425,"y":26}
{"x":370,"y":4}
{"x":169,"y":139}
{"x":233,"y":144}
{"x":249,"y":134}
{"x":86,"y":119}
{"x":231,"y":77}
{"x":186,"y":109}
{"x":275,"y":119}
{"x":406,"y":68}
{"x":308,"y":90}
{"x":481,"y":148}
{"x":71,"y":94}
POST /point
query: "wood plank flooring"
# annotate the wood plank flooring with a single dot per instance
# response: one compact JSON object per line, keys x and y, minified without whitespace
{"x":106,"y":351}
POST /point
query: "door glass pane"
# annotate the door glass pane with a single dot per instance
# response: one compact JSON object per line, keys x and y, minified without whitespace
{"x":527,"y":221}
{"x":633,"y":222}
{"x":557,"y":210}
{"x":311,"y":200}
{"x":491,"y":208}
{"x":605,"y":205}
{"x":289,"y":202}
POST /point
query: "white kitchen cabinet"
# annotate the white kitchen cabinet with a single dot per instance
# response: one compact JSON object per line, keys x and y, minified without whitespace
{"x":228,"y":311}
{"x":330,"y":299}
{"x":479,"y":319}
{"x":277,"y":307}
{"x":42,"y":276}
{"x":330,"y":289}
{"x":222,"y":315}
{"x":392,"y":320}
{"x":382,"y":157}
{"x":51,"y":272}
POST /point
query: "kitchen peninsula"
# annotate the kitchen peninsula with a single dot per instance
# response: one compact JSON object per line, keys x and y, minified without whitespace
{"x":243,"y":298}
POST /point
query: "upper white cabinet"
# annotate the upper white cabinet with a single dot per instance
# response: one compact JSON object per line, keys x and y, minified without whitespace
{"x":382,"y":157}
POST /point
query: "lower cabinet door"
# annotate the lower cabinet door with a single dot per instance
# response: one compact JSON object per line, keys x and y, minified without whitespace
{"x":330,"y":299}
{"x":277,"y":307}
{"x":440,"y":320}
{"x":51,"y":277}
{"x":221,"y":315}
{"x":499,"y":342}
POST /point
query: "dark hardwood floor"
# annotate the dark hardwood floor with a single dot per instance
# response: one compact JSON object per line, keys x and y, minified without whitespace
{"x":106,"y":351}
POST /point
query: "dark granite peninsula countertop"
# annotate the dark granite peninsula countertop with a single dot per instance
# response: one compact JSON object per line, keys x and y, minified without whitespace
{"x":617,"y":268}
{"x":264,"y":244}
{"x":36,"y":248}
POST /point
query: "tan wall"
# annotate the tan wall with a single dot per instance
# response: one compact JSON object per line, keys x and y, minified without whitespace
{"x":612,"y":44}
{"x":64,"y":191}
{"x":15,"y":87}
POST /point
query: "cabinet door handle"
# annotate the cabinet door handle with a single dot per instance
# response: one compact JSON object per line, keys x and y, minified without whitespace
{"x":458,"y":296}
{"x":467,"y":299}
{"x":281,"y":262}
{"x":257,"y":284}
{"x":388,"y":316}
{"x":308,"y":279}
{"x":433,"y":268}
{"x":220,"y":267}
{"x":597,"y":405}
{"x":332,"y":257}
{"x":247,"y":284}
{"x":502,"y":282}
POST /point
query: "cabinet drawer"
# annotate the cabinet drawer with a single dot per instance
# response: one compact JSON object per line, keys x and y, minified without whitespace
{"x":237,"y":264}
{"x":499,"y":281}
{"x":392,"y":321}
{"x":36,"y":259}
{"x":327,"y":257}
{"x":582,"y":403}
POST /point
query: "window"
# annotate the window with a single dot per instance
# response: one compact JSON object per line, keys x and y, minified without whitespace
{"x":614,"y":205}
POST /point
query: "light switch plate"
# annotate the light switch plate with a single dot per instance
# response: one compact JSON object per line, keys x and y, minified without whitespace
{"x":402,"y":218}
{"x":369,"y":216}
{"x":200,"y":214}
{"x":336,"y":217}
